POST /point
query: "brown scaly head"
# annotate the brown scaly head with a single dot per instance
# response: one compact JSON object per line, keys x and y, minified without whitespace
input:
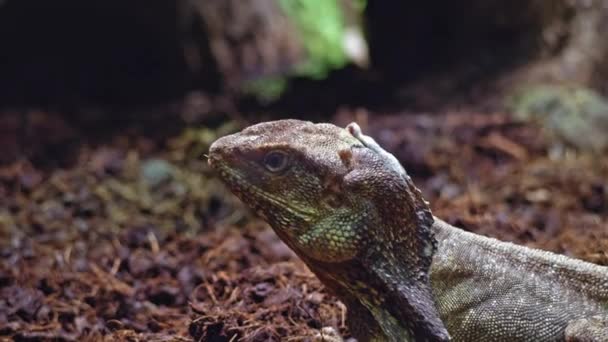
{"x":348,"y":209}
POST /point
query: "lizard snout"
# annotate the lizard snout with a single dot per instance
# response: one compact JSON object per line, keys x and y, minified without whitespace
{"x":220,"y":152}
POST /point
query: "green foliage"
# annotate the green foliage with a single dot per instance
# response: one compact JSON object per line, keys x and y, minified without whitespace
{"x":266,"y":89}
{"x":321,"y":26}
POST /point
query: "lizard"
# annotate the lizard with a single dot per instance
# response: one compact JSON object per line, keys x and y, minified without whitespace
{"x":350,"y":211}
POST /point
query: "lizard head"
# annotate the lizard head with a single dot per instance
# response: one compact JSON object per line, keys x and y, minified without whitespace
{"x":292,"y":174}
{"x":346,"y":207}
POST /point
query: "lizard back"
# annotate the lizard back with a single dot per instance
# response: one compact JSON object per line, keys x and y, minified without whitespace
{"x":486,"y":289}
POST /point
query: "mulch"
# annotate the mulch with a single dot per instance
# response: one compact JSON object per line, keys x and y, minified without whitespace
{"x":136,"y":239}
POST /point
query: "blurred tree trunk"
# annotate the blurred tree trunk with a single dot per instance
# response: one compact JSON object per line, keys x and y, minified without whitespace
{"x":574,"y":50}
{"x":478,"y":40}
{"x":248,"y":38}
{"x":153,"y":50}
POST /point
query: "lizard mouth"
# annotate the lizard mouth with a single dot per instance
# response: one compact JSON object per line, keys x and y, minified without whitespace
{"x":253,"y":195}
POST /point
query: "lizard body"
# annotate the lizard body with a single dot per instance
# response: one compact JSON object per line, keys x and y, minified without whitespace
{"x":487,"y":289}
{"x":351,"y":212}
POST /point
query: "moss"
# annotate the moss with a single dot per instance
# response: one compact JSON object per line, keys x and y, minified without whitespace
{"x":573,"y":115}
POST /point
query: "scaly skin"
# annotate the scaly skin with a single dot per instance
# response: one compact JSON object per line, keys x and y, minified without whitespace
{"x":350,"y":211}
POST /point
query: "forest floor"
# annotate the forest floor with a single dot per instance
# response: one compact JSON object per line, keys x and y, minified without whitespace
{"x":135,"y":239}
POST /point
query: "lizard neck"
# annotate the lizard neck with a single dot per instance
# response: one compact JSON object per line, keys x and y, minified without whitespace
{"x":390,"y":279}
{"x":408,"y":300}
{"x":400,"y":263}
{"x":401,"y":304}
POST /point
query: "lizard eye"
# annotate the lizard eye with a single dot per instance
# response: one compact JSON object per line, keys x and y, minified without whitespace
{"x":275,"y":161}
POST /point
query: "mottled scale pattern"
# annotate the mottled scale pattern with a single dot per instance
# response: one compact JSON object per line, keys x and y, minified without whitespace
{"x":350,"y":211}
{"x":488,"y":290}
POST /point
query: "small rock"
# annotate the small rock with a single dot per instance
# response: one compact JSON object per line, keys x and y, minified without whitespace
{"x":328,"y":334}
{"x":261,"y":290}
{"x":538,"y":196}
{"x":316,"y":298}
{"x":156,"y":171}
{"x":30,"y":179}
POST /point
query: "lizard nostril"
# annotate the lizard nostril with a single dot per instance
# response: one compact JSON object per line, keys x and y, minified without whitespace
{"x":211,"y":160}
{"x":215,"y":153}
{"x":222,"y":152}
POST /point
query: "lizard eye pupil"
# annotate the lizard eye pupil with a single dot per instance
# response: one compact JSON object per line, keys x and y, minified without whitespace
{"x":275,"y":161}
